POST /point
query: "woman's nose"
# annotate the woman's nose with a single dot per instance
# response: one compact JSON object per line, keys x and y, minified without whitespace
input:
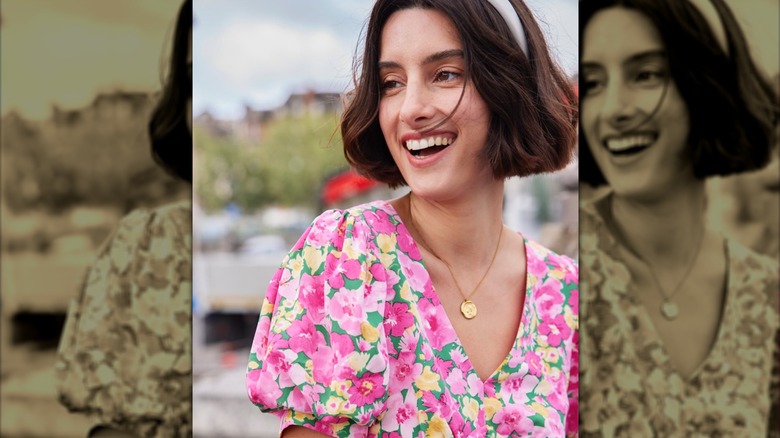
{"x":618,"y":108}
{"x":418,"y":107}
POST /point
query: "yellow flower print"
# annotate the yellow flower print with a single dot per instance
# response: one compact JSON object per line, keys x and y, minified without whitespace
{"x":334,"y":404}
{"x":540,"y":409}
{"x":492,"y":405}
{"x":470,"y":409}
{"x":437,"y":427}
{"x":428,"y":380}
{"x":369,"y":332}
{"x":295,"y":264}
{"x":358,"y":361}
{"x":313,"y":258}
{"x":386,"y":243}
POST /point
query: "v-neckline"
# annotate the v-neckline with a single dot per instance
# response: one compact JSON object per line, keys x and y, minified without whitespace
{"x":524,"y":312}
{"x":599,"y":205}
{"x":716,"y":342}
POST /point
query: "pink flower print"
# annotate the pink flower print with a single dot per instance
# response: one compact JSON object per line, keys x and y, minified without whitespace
{"x":409,"y":341}
{"x":459,"y":427}
{"x":378,"y":272}
{"x":304,"y":336}
{"x":277,"y":362}
{"x":262,"y":388}
{"x":401,"y":413}
{"x":407,"y":244}
{"x":557,"y":400}
{"x":574,"y":301}
{"x":397,"y":318}
{"x":456,"y":381}
{"x":337,"y":268}
{"x":513,"y":419}
{"x":297,"y":401}
{"x":573,"y":415}
{"x":414,"y":272}
{"x":323,"y":362}
{"x":442,"y":366}
{"x":311,"y":297}
{"x":404,"y":372}
{"x":346,"y":308}
{"x":260,"y":341}
{"x":534,"y":363}
{"x":549,"y":298}
{"x":439,"y":332}
{"x":343,"y":345}
{"x":518,"y":387}
{"x":379,"y":221}
{"x":537,"y":266}
{"x":366,"y":389}
{"x":556,"y":330}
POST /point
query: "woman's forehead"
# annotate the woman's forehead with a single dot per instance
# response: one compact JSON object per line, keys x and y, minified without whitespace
{"x":616,"y":34}
{"x":410,"y":31}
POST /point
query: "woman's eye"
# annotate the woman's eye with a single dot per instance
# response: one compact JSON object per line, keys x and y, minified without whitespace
{"x":446,"y":76}
{"x":591,"y":86}
{"x":650,"y":77}
{"x":390,"y":85}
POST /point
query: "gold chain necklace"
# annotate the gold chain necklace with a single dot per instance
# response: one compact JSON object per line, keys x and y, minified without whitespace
{"x":467,"y":308}
{"x":669,"y":308}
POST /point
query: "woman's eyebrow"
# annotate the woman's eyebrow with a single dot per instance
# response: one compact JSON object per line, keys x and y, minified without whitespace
{"x":644,"y":56}
{"x":434,"y":57}
{"x":633,"y":59}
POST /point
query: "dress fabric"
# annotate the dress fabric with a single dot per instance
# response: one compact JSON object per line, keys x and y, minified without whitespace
{"x":629,"y":387}
{"x":125,"y":355}
{"x":352,"y":341}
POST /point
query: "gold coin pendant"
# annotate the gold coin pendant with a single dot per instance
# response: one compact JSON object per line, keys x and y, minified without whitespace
{"x":468,"y":309}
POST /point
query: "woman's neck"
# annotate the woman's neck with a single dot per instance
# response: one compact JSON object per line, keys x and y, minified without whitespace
{"x":467,"y":226}
{"x":663,"y":232}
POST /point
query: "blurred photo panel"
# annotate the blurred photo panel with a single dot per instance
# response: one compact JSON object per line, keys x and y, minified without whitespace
{"x":96,"y":218}
{"x":679,"y":218}
{"x":269,"y":90}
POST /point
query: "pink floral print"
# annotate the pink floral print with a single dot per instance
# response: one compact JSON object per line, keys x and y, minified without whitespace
{"x":352,"y":341}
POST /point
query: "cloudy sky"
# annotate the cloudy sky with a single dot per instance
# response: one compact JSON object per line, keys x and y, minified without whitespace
{"x":257,"y":52}
{"x":54,"y":51}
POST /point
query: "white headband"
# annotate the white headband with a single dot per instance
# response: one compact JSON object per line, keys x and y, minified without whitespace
{"x":707,"y":9}
{"x":512,"y":20}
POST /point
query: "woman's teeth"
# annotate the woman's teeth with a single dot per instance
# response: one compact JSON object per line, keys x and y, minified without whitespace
{"x":417,"y":145}
{"x":630,"y":144}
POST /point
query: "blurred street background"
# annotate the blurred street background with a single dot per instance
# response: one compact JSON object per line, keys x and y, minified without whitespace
{"x":268,"y":80}
{"x":79,"y":79}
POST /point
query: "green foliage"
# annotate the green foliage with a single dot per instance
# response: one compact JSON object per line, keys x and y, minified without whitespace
{"x":286,"y":166}
{"x":95,"y":157}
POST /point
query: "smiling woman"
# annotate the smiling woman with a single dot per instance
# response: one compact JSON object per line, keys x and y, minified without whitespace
{"x":376,"y":323}
{"x":679,"y":322}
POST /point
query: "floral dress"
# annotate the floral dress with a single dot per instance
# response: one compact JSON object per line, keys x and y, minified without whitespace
{"x":125,"y":355}
{"x":629,"y":386}
{"x":353,"y":341}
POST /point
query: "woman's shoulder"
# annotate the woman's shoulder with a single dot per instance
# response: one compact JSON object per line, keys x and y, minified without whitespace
{"x":753,"y":271}
{"x":552,"y":260}
{"x":332,"y":227}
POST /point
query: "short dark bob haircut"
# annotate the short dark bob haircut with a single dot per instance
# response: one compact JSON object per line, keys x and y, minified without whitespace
{"x":533,"y":108}
{"x":731,"y":106}
{"x":171,"y":140}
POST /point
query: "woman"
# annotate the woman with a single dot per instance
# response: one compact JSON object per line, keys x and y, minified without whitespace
{"x":679,"y":322}
{"x":125,"y":353}
{"x":424,"y":314}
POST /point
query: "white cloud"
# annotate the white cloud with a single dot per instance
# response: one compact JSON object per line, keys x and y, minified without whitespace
{"x":256,"y":53}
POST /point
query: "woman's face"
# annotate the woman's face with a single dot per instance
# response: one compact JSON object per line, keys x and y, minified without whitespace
{"x":634,"y":120}
{"x":422,"y":74}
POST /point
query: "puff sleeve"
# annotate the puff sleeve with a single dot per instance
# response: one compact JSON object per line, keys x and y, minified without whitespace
{"x":125,"y":352}
{"x":319,"y":357}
